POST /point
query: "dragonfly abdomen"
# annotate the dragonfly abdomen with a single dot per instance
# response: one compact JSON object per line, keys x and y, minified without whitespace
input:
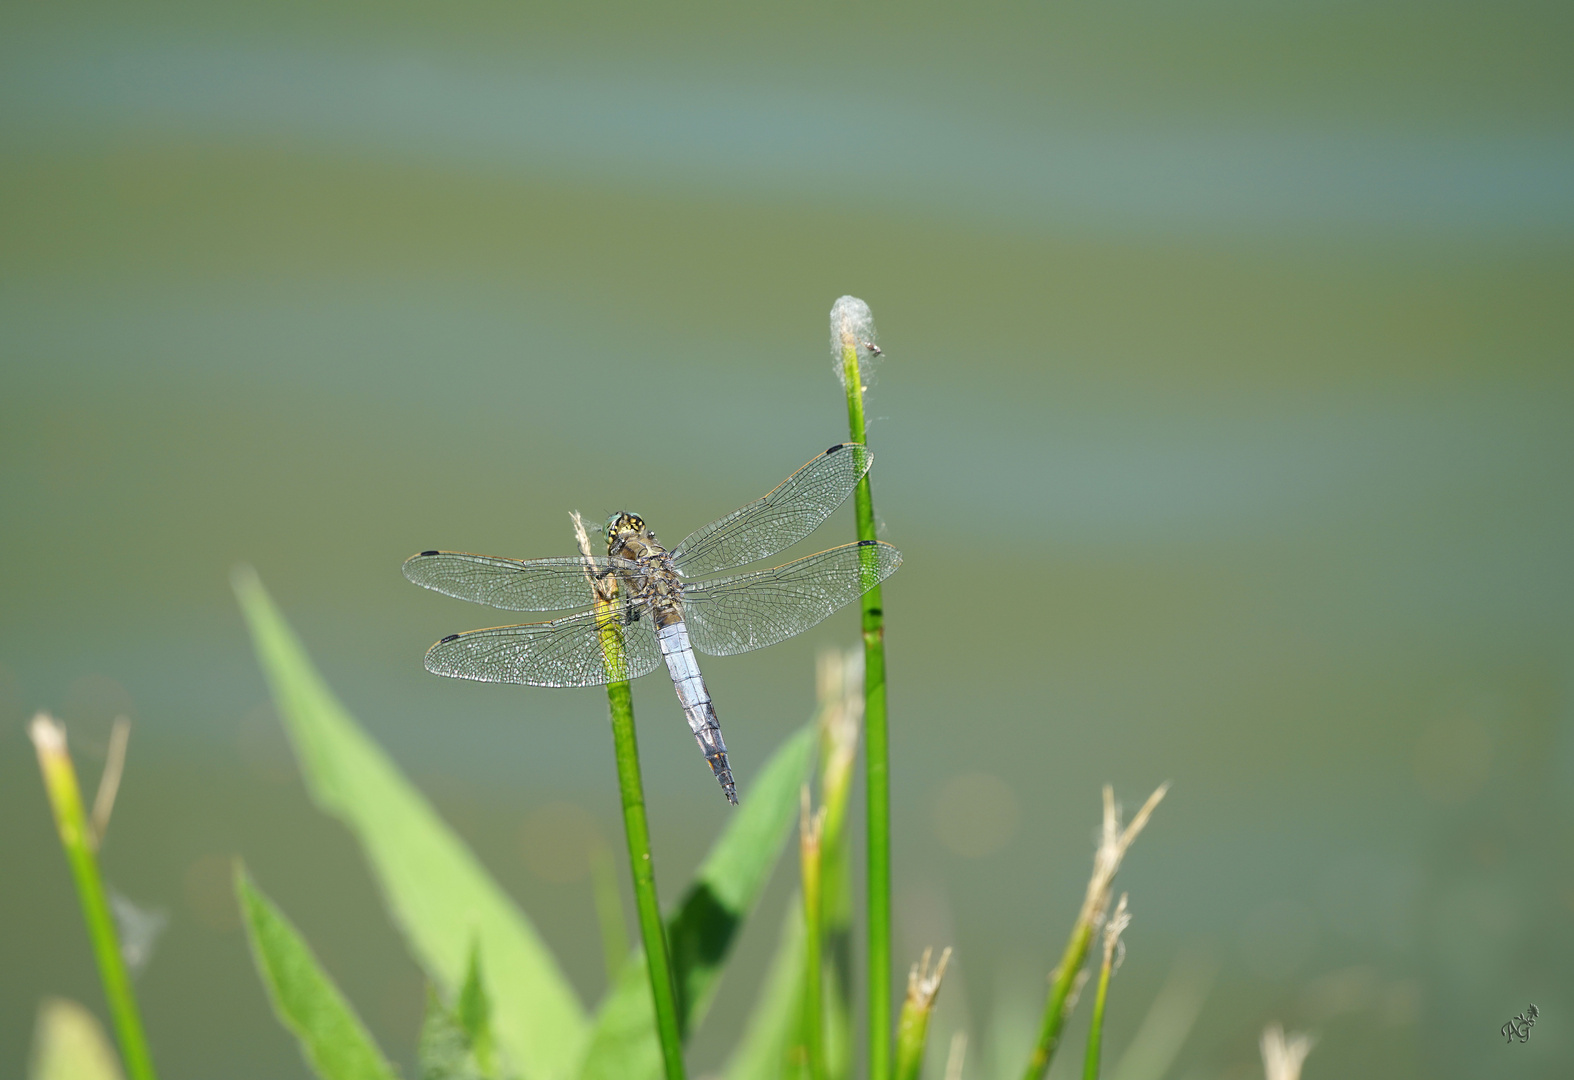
{"x":684,"y":668}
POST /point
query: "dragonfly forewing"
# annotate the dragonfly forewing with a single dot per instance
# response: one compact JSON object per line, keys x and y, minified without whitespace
{"x":780,"y":518}
{"x":571,"y":651}
{"x":750,"y":611}
{"x":510,"y":584}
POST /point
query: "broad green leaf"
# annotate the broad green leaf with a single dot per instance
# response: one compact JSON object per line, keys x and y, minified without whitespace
{"x":69,"y":1044}
{"x":772,"y":1031}
{"x":773,"y":1045}
{"x":623,"y":1043}
{"x":334,"y":1041}
{"x":437,"y":891}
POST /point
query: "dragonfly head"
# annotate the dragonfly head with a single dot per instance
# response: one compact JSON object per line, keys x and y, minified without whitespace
{"x":620,"y":527}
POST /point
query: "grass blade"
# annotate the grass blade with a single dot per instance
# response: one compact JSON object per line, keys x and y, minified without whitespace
{"x":774,"y":1028}
{"x":444,"y":1052}
{"x":456,"y":1044}
{"x":438,"y":893}
{"x":335,"y":1043}
{"x":839,"y":683}
{"x":474,"y":1013}
{"x":701,"y":932}
{"x":810,"y":833}
{"x":777,"y":1038}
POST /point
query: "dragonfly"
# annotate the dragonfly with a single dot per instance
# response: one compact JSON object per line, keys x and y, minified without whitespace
{"x":663,"y":604}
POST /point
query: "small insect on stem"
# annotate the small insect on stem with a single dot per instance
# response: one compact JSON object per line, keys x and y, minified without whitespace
{"x":872,"y":347}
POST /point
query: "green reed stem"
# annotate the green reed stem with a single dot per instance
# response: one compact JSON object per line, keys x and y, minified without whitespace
{"x":912,"y":1038}
{"x":1118,"y":921}
{"x":840,"y":692}
{"x":631,"y":788}
{"x":877,"y":764}
{"x":1090,"y":1062}
{"x":78,"y":841}
{"x":1059,"y":992}
{"x":813,"y":938}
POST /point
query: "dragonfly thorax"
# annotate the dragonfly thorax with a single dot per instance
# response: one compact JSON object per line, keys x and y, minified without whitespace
{"x":653,"y":585}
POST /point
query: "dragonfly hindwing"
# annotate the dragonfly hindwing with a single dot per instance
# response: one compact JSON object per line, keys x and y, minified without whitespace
{"x":750,"y":611}
{"x":564,"y":652}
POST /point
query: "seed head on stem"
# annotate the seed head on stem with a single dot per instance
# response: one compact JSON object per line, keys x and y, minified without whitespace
{"x":1066,"y":980}
{"x":912,"y":1026}
{"x":1114,"y":947}
{"x":1114,"y":842}
{"x":852,"y":327}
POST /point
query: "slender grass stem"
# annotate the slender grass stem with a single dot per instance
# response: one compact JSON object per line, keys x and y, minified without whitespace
{"x":1060,"y":991}
{"x":1068,"y":977}
{"x":636,"y":830}
{"x":641,"y":866}
{"x":1090,"y":1061}
{"x":809,"y":834}
{"x":912,"y":1028}
{"x":877,"y":764}
{"x":1112,"y":931}
{"x":78,"y":840}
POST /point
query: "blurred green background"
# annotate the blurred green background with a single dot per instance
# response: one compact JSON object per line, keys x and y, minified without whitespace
{"x":1226,"y":426}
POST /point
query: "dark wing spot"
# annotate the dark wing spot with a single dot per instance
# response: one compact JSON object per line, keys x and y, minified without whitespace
{"x":450,"y":637}
{"x":424,"y":553}
{"x":867,"y":543}
{"x":835,"y":448}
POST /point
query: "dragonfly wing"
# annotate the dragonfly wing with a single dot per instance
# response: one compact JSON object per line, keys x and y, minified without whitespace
{"x":784,"y":515}
{"x":537,"y":585}
{"x":750,"y":611}
{"x":564,"y":652}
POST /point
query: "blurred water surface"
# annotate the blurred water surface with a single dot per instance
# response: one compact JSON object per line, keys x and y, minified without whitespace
{"x":1225,"y":428}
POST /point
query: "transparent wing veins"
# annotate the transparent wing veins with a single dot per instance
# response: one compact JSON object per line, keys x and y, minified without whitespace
{"x":510,"y":584}
{"x":564,"y":652}
{"x":780,"y":518}
{"x":750,"y":611}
